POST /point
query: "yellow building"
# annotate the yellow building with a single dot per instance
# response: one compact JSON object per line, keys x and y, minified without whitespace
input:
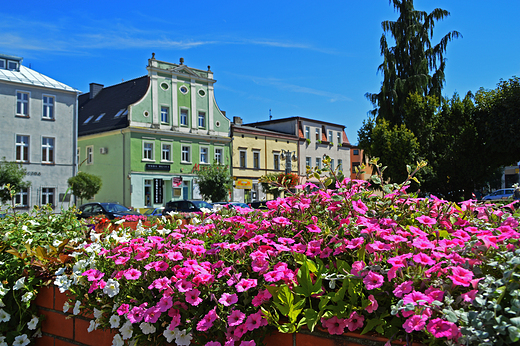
{"x":257,"y":152}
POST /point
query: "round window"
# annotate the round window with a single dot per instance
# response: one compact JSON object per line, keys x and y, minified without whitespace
{"x":217,"y":123}
{"x":146,"y":114}
{"x":165,"y":86}
{"x":183,"y":89}
{"x":202,"y":93}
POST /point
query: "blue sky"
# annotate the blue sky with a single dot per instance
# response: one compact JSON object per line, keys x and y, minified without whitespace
{"x":297,"y":58}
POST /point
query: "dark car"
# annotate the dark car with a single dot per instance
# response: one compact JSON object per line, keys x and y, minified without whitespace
{"x":154,"y":211}
{"x":232,"y":204}
{"x":110,"y":210}
{"x":185,"y":206}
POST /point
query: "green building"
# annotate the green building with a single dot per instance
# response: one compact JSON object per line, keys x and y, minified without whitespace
{"x":147,"y":137}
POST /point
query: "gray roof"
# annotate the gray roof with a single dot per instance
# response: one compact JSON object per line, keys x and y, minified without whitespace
{"x":30,"y":77}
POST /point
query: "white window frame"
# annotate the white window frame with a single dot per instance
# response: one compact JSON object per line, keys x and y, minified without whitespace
{"x":46,"y":193}
{"x":48,"y":107}
{"x":339,"y":138}
{"x":89,"y":150}
{"x":201,"y":119}
{"x":3,"y":64}
{"x":48,"y":149}
{"x":256,"y":159}
{"x":165,"y":115}
{"x":22,"y":105}
{"x":331,"y":139}
{"x":242,"y":158}
{"x":219,"y":154}
{"x":23,"y":148}
{"x":204,"y":154}
{"x":308,"y":132}
{"x":318,"y":162}
{"x":148,"y":151}
{"x":318,"y":134}
{"x":332,"y":164}
{"x":166,"y":152}
{"x":276,"y":161}
{"x":340,"y":165}
{"x":308,"y":161}
{"x":21,"y":197}
{"x":185,"y":153}
{"x":16,"y":65}
{"x":184,"y":116}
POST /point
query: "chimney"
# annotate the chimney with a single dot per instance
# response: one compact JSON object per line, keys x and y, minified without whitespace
{"x":95,"y":88}
{"x":237,"y":120}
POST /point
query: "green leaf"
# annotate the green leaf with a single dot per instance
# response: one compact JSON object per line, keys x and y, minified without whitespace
{"x":311,"y":317}
{"x":514,"y":333}
{"x":371,"y":324}
{"x":450,"y":315}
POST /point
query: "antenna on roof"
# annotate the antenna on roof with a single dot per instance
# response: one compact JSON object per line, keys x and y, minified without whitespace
{"x":270,"y":116}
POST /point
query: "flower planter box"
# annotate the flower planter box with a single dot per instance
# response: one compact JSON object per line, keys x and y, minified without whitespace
{"x":64,"y":329}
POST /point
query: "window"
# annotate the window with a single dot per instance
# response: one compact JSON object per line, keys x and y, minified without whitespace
{"x":308,"y":162}
{"x":21,"y":199}
{"x":2,"y":64}
{"x":12,"y":65}
{"x":184,"y":117}
{"x":185,"y":153}
{"x":148,"y":151}
{"x":256,"y":160}
{"x":218,"y":155}
{"x":202,"y":119}
{"x":164,"y":114}
{"x":166,"y":152}
{"x":318,"y":163}
{"x":48,"y":107}
{"x":22,"y":103}
{"x":340,"y":164}
{"x":339,"y":137}
{"x":22,"y":148}
{"x":356,"y":151}
{"x":330,"y":136}
{"x":243,"y":159}
{"x":47,"y":195}
{"x":318,"y":134}
{"x":276,"y":161}
{"x":148,"y":192}
{"x":47,"y":150}
{"x":332,"y":164}
{"x":204,"y":155}
{"x":90,"y":155}
{"x":307,"y":132}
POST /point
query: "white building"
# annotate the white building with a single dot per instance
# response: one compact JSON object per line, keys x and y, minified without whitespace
{"x":38,"y":130}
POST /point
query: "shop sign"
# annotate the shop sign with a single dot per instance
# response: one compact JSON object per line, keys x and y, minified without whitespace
{"x":244,"y":184}
{"x":158,"y":191}
{"x":156,"y":167}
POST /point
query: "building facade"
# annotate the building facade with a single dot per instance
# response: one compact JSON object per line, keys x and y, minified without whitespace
{"x":258,"y":152}
{"x":39,"y":131}
{"x":316,"y":139}
{"x":146,"y":138}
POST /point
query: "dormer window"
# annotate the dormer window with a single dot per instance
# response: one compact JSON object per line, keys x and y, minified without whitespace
{"x":2,"y":64}
{"x":12,"y":65}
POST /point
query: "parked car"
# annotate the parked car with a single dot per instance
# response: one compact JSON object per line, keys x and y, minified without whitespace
{"x":185,"y":206}
{"x":110,"y":210}
{"x":232,"y":204}
{"x":154,"y":211}
{"x":499,"y":195}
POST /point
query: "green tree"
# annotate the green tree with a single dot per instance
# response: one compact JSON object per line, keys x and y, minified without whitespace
{"x":11,"y":173}
{"x":214,"y":182}
{"x":413,"y":67}
{"x":84,"y":185}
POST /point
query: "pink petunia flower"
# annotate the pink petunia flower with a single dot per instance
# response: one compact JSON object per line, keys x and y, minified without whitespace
{"x":132,"y":274}
{"x":423,"y":259}
{"x":192,"y":297}
{"x":461,"y":276}
{"x":402,"y":289}
{"x":359,"y":207}
{"x":373,"y":280}
{"x":254,"y":321}
{"x":355,"y":321}
{"x":440,"y":328}
{"x":426,"y":220}
{"x":334,"y":325}
{"x":373,"y":304}
{"x":416,"y":322}
{"x":417,"y":298}
{"x":236,"y":318}
{"x":228,"y":299}
{"x":246,"y":284}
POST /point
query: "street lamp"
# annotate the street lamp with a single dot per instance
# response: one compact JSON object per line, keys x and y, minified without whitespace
{"x":288,"y":156}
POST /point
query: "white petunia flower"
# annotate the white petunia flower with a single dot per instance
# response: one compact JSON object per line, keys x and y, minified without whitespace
{"x":66,"y":307}
{"x":114,"y":321}
{"x":75,"y":311}
{"x":62,"y":282}
{"x":95,"y":237}
{"x":19,"y":283}
{"x":21,"y":340}
{"x":92,"y":326}
{"x":60,"y":271}
{"x":3,"y":290}
{"x":2,"y":303}
{"x":118,"y":340}
{"x":184,"y":338}
{"x":127,"y":330}
{"x":169,"y":335}
{"x":27,"y":296}
{"x":147,"y":328}
{"x":2,"y":341}
{"x":33,"y":323}
{"x":34,"y":223}
{"x":112,"y":288}
{"x":24,"y":228}
{"x":97,"y":313}
{"x":56,"y":243}
{"x":4,"y":316}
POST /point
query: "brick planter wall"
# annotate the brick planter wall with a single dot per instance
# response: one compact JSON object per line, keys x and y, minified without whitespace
{"x":64,"y":329}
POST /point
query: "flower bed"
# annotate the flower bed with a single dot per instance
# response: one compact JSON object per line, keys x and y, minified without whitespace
{"x":343,"y":260}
